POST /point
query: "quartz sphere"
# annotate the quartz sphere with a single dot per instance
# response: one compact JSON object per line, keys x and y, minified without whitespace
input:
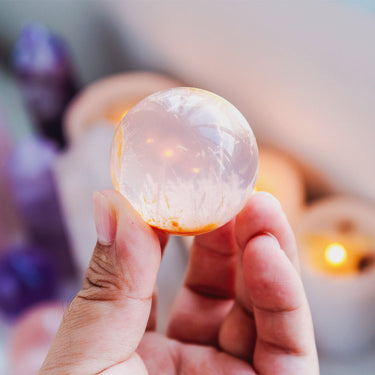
{"x":186,"y":160}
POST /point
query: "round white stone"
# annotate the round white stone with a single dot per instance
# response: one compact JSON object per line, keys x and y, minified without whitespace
{"x":186,"y":159}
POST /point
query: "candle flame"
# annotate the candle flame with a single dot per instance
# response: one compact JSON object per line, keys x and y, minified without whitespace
{"x":335,"y":254}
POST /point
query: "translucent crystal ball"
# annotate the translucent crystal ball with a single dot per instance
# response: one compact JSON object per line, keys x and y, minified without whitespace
{"x":186,"y":159}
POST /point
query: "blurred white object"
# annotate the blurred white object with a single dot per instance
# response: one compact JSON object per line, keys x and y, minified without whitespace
{"x":187,"y":242}
{"x":31,"y":337}
{"x":110,"y":98}
{"x":339,"y":279}
{"x":170,"y":278}
{"x":81,"y":170}
{"x":89,"y":125}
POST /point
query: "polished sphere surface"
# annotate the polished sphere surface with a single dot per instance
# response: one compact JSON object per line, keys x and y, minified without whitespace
{"x":186,"y":159}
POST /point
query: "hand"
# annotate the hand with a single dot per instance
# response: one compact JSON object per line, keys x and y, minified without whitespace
{"x":242,"y":309}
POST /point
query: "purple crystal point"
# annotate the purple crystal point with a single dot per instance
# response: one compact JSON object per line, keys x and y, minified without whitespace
{"x":42,"y":64}
{"x":33,"y":186}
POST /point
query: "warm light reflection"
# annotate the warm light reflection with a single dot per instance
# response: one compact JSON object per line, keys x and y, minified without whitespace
{"x":115,"y":114}
{"x":168,"y":153}
{"x":149,"y":140}
{"x":335,"y":254}
{"x":196,"y":170}
{"x":125,"y":112}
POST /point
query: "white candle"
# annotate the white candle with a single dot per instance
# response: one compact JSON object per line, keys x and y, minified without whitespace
{"x":82,"y":169}
{"x":110,"y":98}
{"x":336,"y":238}
{"x":89,"y":125}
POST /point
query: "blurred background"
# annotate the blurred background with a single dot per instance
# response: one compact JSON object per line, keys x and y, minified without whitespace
{"x":302,"y":73}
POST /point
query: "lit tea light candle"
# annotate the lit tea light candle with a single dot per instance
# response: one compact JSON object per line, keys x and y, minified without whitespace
{"x":110,"y":99}
{"x":335,"y":254}
{"x":339,"y":254}
{"x":336,"y":238}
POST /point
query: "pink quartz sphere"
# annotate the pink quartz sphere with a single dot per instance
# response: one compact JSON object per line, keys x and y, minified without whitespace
{"x":186,"y":159}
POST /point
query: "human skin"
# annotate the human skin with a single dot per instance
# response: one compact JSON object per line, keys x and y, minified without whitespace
{"x":242,"y":309}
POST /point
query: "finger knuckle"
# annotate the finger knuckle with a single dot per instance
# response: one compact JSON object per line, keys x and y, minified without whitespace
{"x":103,"y":277}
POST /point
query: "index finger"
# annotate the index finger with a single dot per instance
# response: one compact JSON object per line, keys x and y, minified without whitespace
{"x":263,"y":214}
{"x":285,"y":338}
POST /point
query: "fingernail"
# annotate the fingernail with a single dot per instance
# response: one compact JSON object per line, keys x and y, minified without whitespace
{"x":105,"y":219}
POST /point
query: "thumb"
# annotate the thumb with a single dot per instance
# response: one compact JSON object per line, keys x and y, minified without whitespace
{"x":107,"y":319}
